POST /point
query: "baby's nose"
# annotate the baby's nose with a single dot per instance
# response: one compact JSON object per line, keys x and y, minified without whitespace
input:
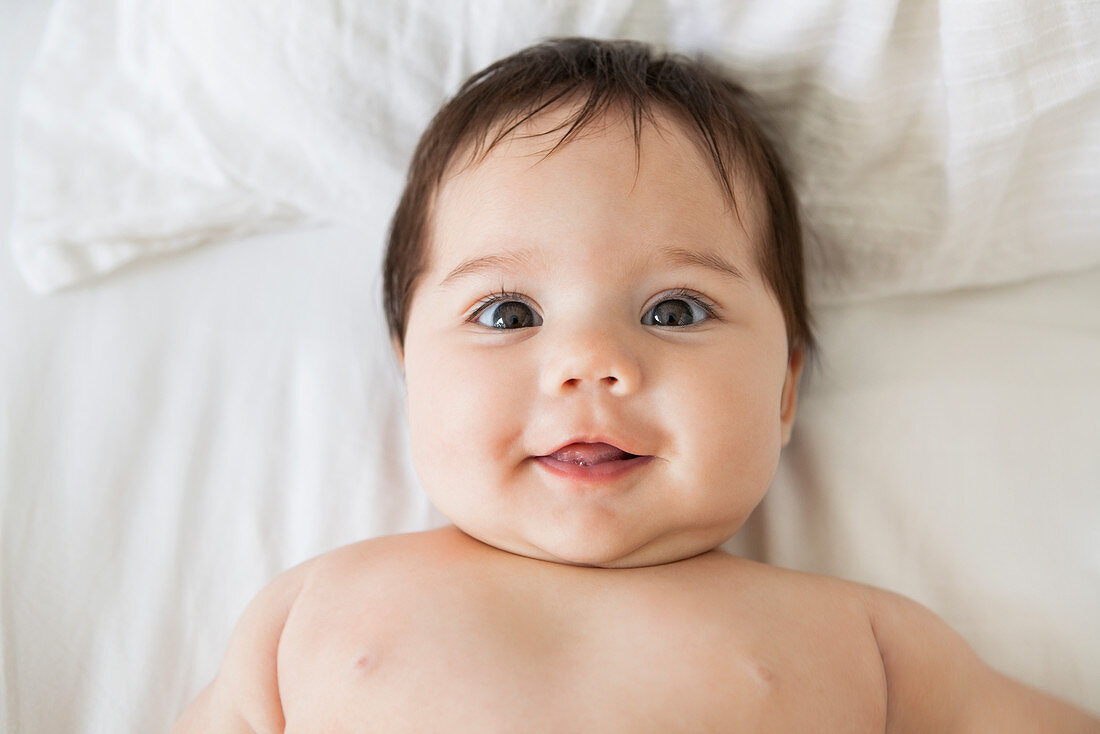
{"x":596,"y":362}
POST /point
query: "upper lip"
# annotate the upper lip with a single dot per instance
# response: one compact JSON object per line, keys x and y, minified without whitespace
{"x":591,"y":438}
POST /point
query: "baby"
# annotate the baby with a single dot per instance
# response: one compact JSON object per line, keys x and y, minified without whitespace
{"x":594,"y":286}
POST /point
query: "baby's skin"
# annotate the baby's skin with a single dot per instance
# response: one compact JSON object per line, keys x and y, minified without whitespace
{"x":579,"y":309}
{"x":438,"y":632}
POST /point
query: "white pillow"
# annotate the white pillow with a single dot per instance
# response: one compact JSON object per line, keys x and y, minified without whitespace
{"x":935,"y":145}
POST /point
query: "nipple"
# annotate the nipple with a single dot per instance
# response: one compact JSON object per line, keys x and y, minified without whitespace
{"x":365,"y":663}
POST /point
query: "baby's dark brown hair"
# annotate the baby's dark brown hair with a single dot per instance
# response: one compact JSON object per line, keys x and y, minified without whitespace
{"x":597,"y":76}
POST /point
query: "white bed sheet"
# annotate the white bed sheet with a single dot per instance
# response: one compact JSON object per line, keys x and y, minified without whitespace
{"x":174,"y":436}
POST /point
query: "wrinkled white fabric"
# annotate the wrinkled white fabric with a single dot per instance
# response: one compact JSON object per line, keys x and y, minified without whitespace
{"x":935,"y":145}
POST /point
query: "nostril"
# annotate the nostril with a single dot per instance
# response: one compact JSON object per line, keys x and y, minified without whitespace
{"x":610,"y":381}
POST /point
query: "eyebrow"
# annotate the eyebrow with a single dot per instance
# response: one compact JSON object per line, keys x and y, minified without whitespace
{"x":670,"y":254}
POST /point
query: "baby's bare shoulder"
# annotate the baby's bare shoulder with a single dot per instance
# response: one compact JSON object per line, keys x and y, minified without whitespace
{"x":370,"y":574}
{"x":401,"y":553}
{"x":244,"y":695}
{"x":936,"y":682}
{"x":788,"y":588}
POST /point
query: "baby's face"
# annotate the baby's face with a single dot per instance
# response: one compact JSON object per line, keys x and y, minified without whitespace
{"x":602,"y":334}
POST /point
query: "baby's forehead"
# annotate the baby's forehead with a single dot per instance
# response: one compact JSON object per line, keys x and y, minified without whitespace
{"x":606,"y":191}
{"x":660,"y":144}
{"x":540,"y":135}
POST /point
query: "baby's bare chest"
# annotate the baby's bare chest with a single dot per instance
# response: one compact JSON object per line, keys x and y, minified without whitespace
{"x":454,"y":656}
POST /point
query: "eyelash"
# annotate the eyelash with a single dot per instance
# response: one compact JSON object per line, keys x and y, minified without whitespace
{"x":675,"y":293}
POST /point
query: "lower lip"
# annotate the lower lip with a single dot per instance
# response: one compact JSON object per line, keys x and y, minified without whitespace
{"x":595,"y":472}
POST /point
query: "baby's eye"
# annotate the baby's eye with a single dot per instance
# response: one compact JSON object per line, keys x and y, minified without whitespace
{"x":509,"y":311}
{"x":680,"y":311}
{"x":500,"y":313}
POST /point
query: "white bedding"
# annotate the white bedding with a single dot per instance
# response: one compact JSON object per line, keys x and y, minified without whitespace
{"x":936,"y":145}
{"x":175,"y":434}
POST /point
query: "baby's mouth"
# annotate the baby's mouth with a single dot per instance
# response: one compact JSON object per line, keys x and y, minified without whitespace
{"x":592,"y":466}
{"x":590,"y":454}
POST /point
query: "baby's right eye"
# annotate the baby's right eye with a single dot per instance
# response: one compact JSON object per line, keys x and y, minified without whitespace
{"x":501,"y":312}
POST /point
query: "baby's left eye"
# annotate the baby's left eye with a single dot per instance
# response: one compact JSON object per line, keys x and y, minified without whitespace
{"x":680,"y":311}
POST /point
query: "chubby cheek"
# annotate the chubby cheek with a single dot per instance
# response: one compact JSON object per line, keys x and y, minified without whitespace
{"x":730,"y":422}
{"x":465,"y":419}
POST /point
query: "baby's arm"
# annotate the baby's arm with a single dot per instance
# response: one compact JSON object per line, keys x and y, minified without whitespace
{"x":244,"y":696}
{"x":935,"y":682}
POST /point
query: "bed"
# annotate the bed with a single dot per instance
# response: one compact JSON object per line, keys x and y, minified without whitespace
{"x":196,"y":388}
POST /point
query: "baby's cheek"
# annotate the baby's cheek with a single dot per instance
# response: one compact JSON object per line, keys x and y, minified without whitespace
{"x":740,"y":433}
{"x":462,"y":417}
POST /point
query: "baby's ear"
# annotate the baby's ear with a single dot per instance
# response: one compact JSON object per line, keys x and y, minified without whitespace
{"x":788,"y":402}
